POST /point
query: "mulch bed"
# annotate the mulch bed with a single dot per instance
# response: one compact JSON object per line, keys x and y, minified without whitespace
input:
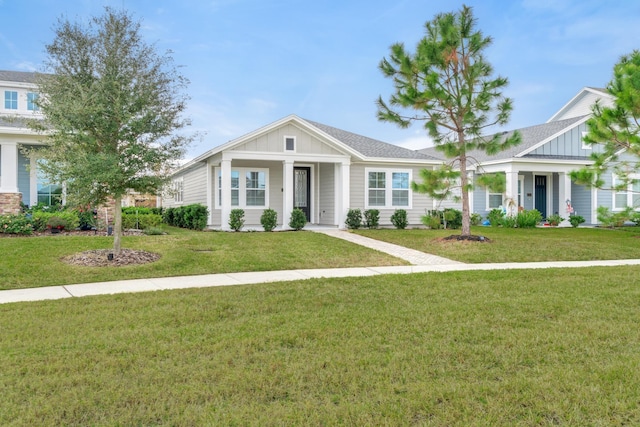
{"x":100,"y":258}
{"x":460,"y":238}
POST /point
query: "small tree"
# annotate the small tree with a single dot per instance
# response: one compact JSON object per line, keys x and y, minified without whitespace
{"x":111,"y":107}
{"x":615,"y":130}
{"x":448,"y":82}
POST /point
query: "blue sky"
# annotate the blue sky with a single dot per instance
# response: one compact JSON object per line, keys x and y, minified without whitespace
{"x":251,"y":62}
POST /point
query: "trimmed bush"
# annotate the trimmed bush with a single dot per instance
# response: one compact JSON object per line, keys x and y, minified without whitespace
{"x":399,"y":219}
{"x":372,"y":218}
{"x":269,"y":219}
{"x":68,"y":219}
{"x":576,"y":220}
{"x":354,"y":219}
{"x":140,"y":221}
{"x":193,"y":217}
{"x":298,"y":219}
{"x":236,"y":219}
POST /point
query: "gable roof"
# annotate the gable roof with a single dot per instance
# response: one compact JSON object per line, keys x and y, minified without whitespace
{"x":581,"y":104}
{"x":17,"y":76}
{"x":359,"y":146}
{"x":531,"y":138}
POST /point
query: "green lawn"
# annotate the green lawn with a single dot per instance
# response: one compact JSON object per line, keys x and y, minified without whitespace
{"x":521,"y":347}
{"x":520,"y":245}
{"x":35,"y":261}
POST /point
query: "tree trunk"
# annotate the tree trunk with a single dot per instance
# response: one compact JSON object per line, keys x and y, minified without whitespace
{"x":466,"y":216}
{"x":117,"y":226}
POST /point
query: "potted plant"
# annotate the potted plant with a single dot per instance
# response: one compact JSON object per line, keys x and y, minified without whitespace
{"x":56,"y":224}
{"x":554,"y":220}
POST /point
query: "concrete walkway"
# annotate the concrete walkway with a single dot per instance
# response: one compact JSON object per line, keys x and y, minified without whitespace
{"x":421,"y":263}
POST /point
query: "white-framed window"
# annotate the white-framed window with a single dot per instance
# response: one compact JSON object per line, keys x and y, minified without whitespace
{"x":249,"y":188}
{"x":494,"y":200}
{"x":10,"y":100}
{"x":290,"y":143}
{"x":628,"y":197}
{"x":584,"y":145}
{"x":178,"y":190}
{"x":388,"y":188}
{"x":31,"y":101}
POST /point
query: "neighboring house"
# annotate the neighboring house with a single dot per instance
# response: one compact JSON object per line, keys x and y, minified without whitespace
{"x":297,"y":163}
{"x":537,"y":170}
{"x":19,"y":181}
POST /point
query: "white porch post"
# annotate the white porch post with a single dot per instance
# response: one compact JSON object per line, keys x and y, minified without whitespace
{"x":210,"y":188}
{"x":225,"y":208}
{"x":33,"y":182}
{"x":564,"y":197}
{"x":9,"y":167}
{"x":342,"y":192}
{"x":287,"y":196}
{"x":512,"y":192}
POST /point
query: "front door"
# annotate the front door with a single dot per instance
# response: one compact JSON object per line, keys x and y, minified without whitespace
{"x":541,"y":194}
{"x":302,"y":190}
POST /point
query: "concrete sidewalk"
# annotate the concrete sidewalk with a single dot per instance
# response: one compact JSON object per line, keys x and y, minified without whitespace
{"x":166,"y":283}
{"x":421,"y":263}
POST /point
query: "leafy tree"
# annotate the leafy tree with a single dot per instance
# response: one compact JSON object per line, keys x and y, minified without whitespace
{"x":449,"y":84}
{"x":111,"y":107}
{"x":615,"y":129}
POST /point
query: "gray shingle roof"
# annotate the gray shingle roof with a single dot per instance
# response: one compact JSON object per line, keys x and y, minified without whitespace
{"x":369,"y":147}
{"x":531,"y":136}
{"x":17,"y":76}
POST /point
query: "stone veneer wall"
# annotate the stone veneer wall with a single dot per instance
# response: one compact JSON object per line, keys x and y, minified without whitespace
{"x":106,"y":214}
{"x":10,"y":203}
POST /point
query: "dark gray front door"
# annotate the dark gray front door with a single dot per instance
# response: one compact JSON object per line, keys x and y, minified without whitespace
{"x":541,"y":194}
{"x":302,"y":190}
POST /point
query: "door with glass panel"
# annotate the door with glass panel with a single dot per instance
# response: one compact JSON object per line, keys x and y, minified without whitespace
{"x":302,"y":190}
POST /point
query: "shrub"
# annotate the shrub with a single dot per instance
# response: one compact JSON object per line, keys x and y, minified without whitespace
{"x":354,"y":219}
{"x":475,"y":218}
{"x":509,"y":222}
{"x":68,"y":219}
{"x":449,"y":218}
{"x":635,"y":218}
{"x":269,"y":219}
{"x":372,"y":218}
{"x":528,"y":219}
{"x":15,"y":224}
{"x":576,"y":220}
{"x":611,"y":219}
{"x":193,"y":216}
{"x":399,"y":219}
{"x":140,"y":221}
{"x":495,"y":217}
{"x":153,"y":231}
{"x":432,"y":220}
{"x":236,"y":219}
{"x":298,"y":219}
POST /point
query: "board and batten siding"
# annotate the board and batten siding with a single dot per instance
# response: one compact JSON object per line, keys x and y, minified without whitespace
{"x":581,"y":202}
{"x":567,"y":144}
{"x":273,"y":142}
{"x":582,"y":106}
{"x":420,"y":202}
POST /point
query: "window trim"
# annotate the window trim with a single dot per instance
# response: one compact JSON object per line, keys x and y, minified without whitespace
{"x":629,"y":193}
{"x":242,"y":188}
{"x":178,"y":191}
{"x":286,"y":137}
{"x":488,"y":198}
{"x":388,"y":188}
{"x":11,"y":99}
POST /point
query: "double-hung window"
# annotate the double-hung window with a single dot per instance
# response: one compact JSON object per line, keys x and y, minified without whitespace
{"x":494,"y":200}
{"x":31,"y":101}
{"x":10,"y":100}
{"x":388,"y":188}
{"x":626,"y":197}
{"x":249,"y":188}
{"x":178,"y":190}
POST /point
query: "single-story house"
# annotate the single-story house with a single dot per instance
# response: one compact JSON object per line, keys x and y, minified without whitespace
{"x":298,"y":163}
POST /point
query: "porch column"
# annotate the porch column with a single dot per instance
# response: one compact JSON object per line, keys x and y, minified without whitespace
{"x":9,"y":167}
{"x":33,"y":182}
{"x":512,"y":193}
{"x":210,"y":176}
{"x":287,"y":189}
{"x":564,"y":197}
{"x":225,"y":203}
{"x":342,"y":193}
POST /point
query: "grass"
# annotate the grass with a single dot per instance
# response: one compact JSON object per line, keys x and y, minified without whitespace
{"x":543,"y":347}
{"x":520,"y":245}
{"x":35,"y":261}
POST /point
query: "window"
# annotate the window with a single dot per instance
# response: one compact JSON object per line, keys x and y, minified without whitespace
{"x":48,"y":194}
{"x":248,"y":192}
{"x":494,"y":200}
{"x":289,"y":143}
{"x":388,"y":188}
{"x":10,"y":100}
{"x":628,"y":197}
{"x":31,"y":101}
{"x":178,"y":189}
